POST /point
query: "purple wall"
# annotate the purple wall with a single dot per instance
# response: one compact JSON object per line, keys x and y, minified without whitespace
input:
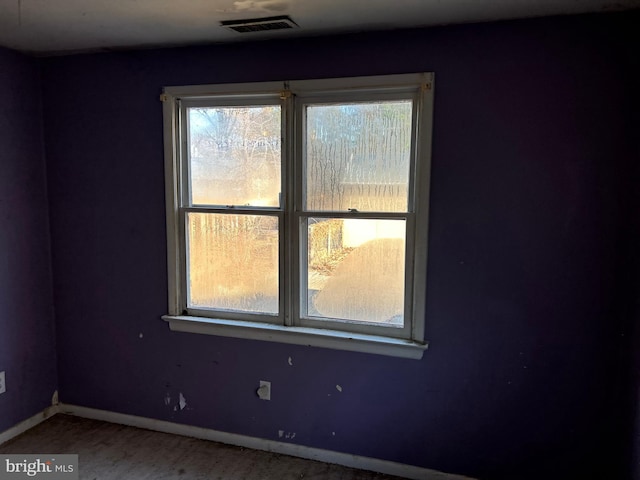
{"x":27,"y":335}
{"x":525,"y":312}
{"x":632,"y":273}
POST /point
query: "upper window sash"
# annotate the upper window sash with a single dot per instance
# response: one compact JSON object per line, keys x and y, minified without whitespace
{"x":187,"y":190}
{"x":305,"y":100}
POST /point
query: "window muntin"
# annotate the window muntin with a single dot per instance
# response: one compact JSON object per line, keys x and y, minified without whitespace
{"x":294,"y":283}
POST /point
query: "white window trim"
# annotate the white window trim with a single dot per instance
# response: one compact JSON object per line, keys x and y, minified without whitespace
{"x":412,"y":347}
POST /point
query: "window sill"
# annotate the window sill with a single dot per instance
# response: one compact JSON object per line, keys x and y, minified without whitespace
{"x":297,"y":336}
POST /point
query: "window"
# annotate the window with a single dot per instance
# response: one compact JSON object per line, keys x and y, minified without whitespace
{"x":297,"y":211}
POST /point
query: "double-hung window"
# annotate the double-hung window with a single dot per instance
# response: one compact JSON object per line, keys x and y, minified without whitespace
{"x":297,"y":211}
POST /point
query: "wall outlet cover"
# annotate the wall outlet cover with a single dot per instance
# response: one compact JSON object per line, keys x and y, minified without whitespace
{"x":264,"y":391}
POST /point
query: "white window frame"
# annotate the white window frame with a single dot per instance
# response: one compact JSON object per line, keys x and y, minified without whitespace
{"x":289,"y":326}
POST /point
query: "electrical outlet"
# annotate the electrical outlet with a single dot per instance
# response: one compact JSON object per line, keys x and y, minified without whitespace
{"x":264,"y":391}
{"x":3,"y":385}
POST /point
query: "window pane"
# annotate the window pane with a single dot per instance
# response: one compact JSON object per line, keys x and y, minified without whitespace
{"x":356,"y":270}
{"x":234,"y":155}
{"x":233,"y":262}
{"x":358,"y":155}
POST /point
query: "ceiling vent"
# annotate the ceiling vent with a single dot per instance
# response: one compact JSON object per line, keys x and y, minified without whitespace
{"x":266,"y":24}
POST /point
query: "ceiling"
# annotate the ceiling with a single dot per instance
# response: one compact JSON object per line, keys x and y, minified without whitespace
{"x":46,"y":27}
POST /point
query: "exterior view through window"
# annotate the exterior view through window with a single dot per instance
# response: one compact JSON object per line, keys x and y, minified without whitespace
{"x":300,"y":204}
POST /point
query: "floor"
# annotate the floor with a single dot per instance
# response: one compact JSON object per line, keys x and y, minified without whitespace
{"x":109,"y":451}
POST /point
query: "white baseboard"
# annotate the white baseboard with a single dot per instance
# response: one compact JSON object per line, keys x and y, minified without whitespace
{"x":28,"y":423}
{"x":327,"y":456}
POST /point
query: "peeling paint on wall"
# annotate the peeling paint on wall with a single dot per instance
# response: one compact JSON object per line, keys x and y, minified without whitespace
{"x":339,"y":388}
{"x":182,"y":403}
{"x":287,"y":435}
{"x":290,"y":361}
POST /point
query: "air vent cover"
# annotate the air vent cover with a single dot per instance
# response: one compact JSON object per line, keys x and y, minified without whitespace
{"x":266,"y":24}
